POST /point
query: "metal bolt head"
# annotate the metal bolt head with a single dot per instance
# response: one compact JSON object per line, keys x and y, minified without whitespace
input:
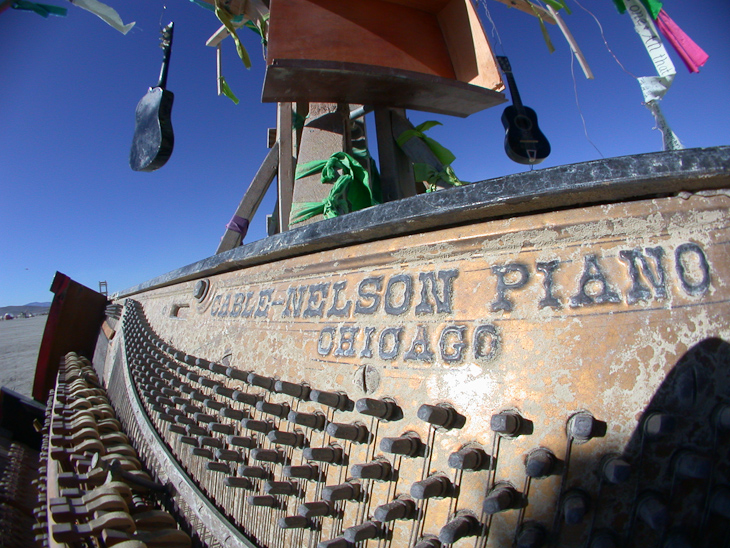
{"x":201,"y":289}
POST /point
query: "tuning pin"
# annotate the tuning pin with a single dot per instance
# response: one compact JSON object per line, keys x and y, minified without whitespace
{"x":268,"y":501}
{"x":502,"y":497}
{"x":582,"y":426}
{"x":364,"y":531}
{"x":291,"y":439}
{"x":256,"y":472}
{"x":237,"y":374}
{"x":506,"y":423}
{"x":357,"y":433}
{"x":615,"y":469}
{"x":241,"y":441}
{"x":331,"y":399}
{"x":469,"y":458}
{"x":306,"y":471}
{"x":267,"y":455}
{"x":442,"y":416}
{"x":300,"y":391}
{"x":241,"y":483}
{"x":400,"y":508}
{"x":233,"y":414}
{"x":461,"y":526}
{"x":539,"y":463}
{"x":531,"y":535}
{"x":430,"y":542}
{"x":315,"y":509}
{"x":315,"y":421}
{"x":280,"y":488}
{"x":658,"y":424}
{"x":338,"y":542}
{"x":575,"y":507}
{"x":257,"y":426}
{"x":377,"y":470}
{"x":267,"y":383}
{"x":432,"y":487}
{"x":294,"y":522}
{"x":653,"y":512}
{"x":245,"y":397}
{"x":331,"y":455}
{"x":344,"y":491}
{"x":407,"y":445}
{"x":280,"y":410}
{"x":691,"y":465}
{"x":381,"y":409}
{"x":720,"y":502}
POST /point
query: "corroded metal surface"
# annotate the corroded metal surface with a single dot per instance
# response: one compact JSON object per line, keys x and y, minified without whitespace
{"x":602,"y":328}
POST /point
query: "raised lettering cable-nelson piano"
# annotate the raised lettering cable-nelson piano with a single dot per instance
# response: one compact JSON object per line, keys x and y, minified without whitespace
{"x":432,"y":372}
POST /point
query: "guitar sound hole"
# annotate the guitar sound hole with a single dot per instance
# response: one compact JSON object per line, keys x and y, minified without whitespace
{"x":523,"y":123}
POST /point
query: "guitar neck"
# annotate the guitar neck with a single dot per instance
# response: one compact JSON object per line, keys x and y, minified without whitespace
{"x":507,"y":70}
{"x":166,"y":48}
{"x":516,"y":101}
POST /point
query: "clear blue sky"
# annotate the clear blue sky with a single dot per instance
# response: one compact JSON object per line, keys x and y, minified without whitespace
{"x":69,"y":87}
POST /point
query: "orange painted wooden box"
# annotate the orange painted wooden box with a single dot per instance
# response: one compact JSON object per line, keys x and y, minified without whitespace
{"x":429,"y":55}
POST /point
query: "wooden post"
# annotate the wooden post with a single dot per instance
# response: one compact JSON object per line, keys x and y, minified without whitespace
{"x":396,"y":170}
{"x":285,"y":176}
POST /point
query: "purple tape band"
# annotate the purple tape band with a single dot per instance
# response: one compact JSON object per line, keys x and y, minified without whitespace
{"x":238,"y":224}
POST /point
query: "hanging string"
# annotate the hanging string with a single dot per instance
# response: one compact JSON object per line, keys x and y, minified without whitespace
{"x":495,"y":32}
{"x":603,"y":36}
{"x":162,"y":15}
{"x":580,"y":110}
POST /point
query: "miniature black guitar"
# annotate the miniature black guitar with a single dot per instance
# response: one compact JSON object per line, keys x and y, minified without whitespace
{"x":524,"y":143}
{"x":153,"y":138}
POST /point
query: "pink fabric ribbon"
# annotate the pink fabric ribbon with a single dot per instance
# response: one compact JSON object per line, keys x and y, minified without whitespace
{"x":692,"y":55}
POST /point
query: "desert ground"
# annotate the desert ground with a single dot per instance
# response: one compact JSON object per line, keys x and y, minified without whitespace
{"x":20,"y":340}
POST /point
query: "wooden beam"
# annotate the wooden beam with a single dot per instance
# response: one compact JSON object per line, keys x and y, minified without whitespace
{"x":285,"y":177}
{"x":396,"y":170}
{"x":252,"y":198}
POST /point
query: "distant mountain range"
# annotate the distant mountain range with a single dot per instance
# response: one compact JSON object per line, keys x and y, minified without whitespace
{"x":30,"y":308}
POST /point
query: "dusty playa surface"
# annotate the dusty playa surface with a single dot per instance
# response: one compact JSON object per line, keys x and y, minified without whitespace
{"x":20,"y":340}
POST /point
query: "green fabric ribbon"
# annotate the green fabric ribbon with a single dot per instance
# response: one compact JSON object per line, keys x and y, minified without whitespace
{"x":259,"y":28}
{"x":426,"y":172}
{"x":653,"y":6}
{"x":44,"y":10}
{"x":443,"y":154}
{"x":350,"y":188}
{"x":227,"y":91}
{"x":557,"y":5}
{"x":225,"y":18}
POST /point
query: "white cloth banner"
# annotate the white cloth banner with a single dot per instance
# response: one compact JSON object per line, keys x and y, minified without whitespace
{"x":654,"y":87}
{"x":107,"y":14}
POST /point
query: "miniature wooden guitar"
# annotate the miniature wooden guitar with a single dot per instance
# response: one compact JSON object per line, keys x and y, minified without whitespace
{"x":153,"y":137}
{"x":524,"y":143}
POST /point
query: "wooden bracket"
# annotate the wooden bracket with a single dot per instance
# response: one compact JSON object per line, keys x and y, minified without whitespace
{"x":252,"y":198}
